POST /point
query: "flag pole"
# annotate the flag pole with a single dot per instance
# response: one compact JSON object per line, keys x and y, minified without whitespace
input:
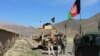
{"x":53,"y":22}
{"x":80,"y":20}
{"x":99,"y":26}
{"x":80,"y":24}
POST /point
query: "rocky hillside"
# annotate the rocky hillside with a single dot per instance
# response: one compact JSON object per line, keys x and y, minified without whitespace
{"x":73,"y":26}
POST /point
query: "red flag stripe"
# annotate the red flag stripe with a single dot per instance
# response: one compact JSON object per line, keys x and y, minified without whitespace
{"x":75,"y":10}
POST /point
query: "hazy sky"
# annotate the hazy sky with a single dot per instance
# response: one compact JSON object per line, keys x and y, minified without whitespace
{"x":31,"y":12}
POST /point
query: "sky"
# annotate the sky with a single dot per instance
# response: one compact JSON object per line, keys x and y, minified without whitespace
{"x":31,"y":12}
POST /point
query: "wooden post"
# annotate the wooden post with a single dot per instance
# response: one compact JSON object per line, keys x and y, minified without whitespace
{"x":99,"y":26}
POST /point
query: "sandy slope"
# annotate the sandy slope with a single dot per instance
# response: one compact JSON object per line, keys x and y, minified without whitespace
{"x":21,"y":48}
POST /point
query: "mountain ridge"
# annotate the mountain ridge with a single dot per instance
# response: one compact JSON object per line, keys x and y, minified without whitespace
{"x":88,"y":25}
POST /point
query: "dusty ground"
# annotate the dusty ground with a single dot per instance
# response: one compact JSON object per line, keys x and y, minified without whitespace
{"x":68,"y":48}
{"x":68,"y":51}
{"x":21,"y":48}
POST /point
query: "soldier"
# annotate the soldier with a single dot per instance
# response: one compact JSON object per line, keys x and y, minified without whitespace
{"x":98,"y":26}
{"x":74,"y":43}
{"x":64,"y":40}
{"x":1,"y":49}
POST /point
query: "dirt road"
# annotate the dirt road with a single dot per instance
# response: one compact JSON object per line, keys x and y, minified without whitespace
{"x":22,"y":48}
{"x":68,"y":51}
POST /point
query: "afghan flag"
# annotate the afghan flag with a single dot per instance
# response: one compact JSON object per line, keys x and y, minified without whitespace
{"x":75,"y":10}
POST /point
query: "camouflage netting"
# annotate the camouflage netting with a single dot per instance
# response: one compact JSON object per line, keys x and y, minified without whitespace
{"x":21,"y":48}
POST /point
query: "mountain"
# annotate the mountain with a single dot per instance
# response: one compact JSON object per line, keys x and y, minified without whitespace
{"x":73,"y":26}
{"x":23,"y":30}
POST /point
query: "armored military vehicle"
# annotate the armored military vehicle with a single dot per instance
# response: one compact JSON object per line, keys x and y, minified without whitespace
{"x":87,"y":44}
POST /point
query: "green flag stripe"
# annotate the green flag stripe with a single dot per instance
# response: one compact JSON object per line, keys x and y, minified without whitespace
{"x":69,"y":16}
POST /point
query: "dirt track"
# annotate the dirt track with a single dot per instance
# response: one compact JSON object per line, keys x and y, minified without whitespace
{"x":68,"y":50}
{"x":18,"y":50}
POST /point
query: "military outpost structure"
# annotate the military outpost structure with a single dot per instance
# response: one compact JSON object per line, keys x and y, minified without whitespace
{"x":10,"y":33}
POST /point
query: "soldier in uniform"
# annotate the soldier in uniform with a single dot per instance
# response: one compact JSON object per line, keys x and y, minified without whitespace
{"x":99,"y":26}
{"x":1,"y":49}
